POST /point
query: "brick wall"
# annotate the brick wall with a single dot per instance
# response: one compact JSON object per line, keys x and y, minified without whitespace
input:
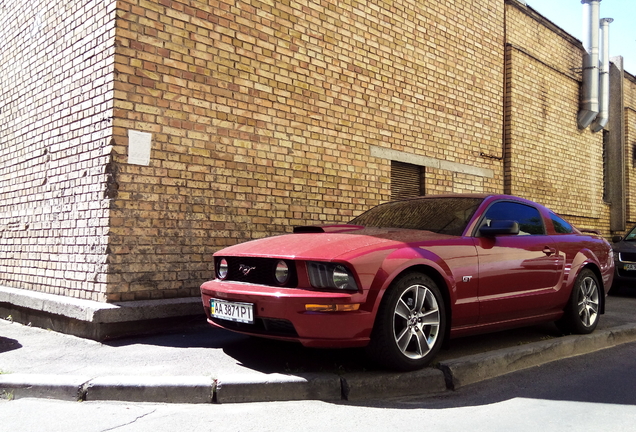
{"x":548,"y":159}
{"x":55,"y":120}
{"x":263,"y":115}
{"x":629,"y":94}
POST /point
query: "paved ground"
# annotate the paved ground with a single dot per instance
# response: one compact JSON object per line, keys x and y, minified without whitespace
{"x":200,"y":364}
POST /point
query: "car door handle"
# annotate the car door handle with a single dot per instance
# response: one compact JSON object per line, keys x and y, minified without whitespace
{"x":549,"y":251}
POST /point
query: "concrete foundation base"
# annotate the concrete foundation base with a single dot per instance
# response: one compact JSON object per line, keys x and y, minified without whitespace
{"x":94,"y":320}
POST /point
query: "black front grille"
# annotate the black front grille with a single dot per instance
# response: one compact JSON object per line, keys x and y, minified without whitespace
{"x":260,"y":271}
{"x":628,"y":256}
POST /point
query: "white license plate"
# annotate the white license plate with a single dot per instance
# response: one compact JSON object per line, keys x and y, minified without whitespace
{"x":233,"y":311}
{"x":630,"y":267}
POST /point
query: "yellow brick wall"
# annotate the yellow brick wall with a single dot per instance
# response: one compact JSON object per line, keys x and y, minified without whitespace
{"x":548,"y":159}
{"x":629,"y":95}
{"x":262,"y":116}
{"x":265,"y":115}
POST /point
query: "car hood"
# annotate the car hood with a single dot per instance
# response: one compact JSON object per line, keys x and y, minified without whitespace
{"x":624,"y":246}
{"x":342,"y":242}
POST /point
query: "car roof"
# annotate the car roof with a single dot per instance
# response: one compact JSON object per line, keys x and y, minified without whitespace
{"x":491,"y":197}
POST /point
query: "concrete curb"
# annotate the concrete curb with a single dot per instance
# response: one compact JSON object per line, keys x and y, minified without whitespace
{"x":367,"y":385}
{"x":63,"y":387}
{"x":234,"y":388}
{"x":277,"y":387}
{"x":171,"y":389}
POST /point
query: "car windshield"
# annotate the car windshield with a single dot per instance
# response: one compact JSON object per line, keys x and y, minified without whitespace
{"x":440,"y":215}
{"x":631,"y":236}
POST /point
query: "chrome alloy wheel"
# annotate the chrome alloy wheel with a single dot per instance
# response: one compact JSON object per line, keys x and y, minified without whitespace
{"x":416,"y":321}
{"x":588,"y":302}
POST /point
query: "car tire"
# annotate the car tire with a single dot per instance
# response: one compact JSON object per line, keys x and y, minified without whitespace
{"x":582,"y":313}
{"x":410,"y":325}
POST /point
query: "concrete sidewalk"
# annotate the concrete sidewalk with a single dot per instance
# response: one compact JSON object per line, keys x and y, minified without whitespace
{"x":200,"y":364}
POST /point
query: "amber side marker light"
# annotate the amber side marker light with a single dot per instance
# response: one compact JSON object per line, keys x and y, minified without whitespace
{"x":332,"y":307}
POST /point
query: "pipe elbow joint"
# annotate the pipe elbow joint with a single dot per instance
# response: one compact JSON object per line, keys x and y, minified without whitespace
{"x":586,"y":117}
{"x":600,"y":123}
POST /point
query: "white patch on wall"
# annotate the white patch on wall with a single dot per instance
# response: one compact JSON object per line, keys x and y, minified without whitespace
{"x":139,"y":147}
{"x":36,"y":26}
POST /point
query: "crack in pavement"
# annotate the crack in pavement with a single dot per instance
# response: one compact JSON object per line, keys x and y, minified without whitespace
{"x":130,"y":422}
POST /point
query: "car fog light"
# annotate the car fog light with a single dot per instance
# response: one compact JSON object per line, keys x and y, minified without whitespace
{"x":222,"y":269}
{"x":282,"y":272}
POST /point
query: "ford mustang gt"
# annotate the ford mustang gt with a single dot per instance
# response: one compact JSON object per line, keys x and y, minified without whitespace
{"x":406,"y":275}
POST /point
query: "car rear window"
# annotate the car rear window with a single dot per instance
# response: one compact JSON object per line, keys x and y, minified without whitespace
{"x":440,"y":215}
{"x":528,"y":217}
{"x":560,"y":225}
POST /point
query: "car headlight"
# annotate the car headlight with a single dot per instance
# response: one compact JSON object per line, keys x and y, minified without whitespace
{"x":282,"y":272}
{"x":222,"y":268}
{"x":617,"y":256}
{"x":331,"y":276}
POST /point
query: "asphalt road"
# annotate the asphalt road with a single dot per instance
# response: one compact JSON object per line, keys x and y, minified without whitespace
{"x":603,"y":377}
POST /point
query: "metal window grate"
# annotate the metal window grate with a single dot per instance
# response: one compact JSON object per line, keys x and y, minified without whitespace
{"x":407,"y":180}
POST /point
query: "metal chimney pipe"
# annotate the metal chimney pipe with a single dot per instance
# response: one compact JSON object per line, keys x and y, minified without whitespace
{"x":603,"y":116}
{"x":589,"y":103}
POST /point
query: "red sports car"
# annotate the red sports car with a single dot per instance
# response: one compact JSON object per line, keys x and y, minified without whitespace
{"x":405,"y":275}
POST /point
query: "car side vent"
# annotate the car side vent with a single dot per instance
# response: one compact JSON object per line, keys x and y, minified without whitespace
{"x":308,"y":229}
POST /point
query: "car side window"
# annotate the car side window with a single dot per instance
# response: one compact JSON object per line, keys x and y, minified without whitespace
{"x":528,"y":217}
{"x":561,"y":226}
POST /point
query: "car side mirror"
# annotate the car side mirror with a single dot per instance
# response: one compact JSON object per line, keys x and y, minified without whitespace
{"x":616,"y":239}
{"x":500,"y":227}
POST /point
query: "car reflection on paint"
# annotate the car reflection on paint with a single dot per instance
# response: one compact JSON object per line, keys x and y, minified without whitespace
{"x":406,"y":275}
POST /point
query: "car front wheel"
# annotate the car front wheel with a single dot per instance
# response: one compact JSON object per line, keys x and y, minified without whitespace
{"x":582,"y":313}
{"x":410,"y":325}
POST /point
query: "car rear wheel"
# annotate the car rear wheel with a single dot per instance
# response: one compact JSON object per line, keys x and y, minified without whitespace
{"x":582,"y":313}
{"x":410,"y":325}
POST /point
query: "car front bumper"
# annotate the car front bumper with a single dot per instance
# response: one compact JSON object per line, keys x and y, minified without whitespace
{"x":281,"y":313}
{"x":624,"y":276}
